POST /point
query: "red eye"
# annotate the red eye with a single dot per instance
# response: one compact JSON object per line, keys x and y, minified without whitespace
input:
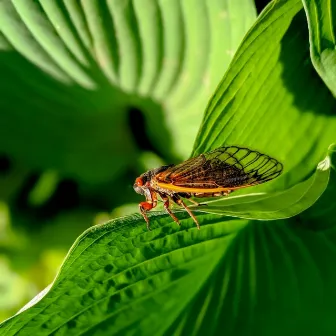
{"x":139,"y":182}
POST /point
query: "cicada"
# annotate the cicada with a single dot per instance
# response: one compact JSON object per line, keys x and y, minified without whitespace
{"x":213,"y":174}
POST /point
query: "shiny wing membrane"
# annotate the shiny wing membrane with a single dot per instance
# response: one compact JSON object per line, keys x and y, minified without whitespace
{"x":224,"y":167}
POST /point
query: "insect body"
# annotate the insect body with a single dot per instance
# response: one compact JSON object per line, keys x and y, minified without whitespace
{"x":216,"y":173}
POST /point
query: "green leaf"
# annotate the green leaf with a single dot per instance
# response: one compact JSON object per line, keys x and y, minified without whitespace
{"x":276,"y":205}
{"x":72,"y":71}
{"x":120,"y":279}
{"x":116,"y":284}
{"x":117,"y":273}
{"x":235,"y":276}
{"x":322,"y":23}
{"x":271,"y":99}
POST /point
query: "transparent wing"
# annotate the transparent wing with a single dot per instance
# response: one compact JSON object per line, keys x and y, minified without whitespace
{"x":223,"y":167}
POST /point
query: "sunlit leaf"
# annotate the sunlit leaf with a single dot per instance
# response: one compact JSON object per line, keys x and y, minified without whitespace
{"x":72,"y":71}
{"x":271,"y":99}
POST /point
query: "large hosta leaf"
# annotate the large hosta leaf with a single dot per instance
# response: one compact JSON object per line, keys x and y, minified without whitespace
{"x":271,"y":97}
{"x":70,"y":71}
{"x":118,"y":274}
{"x":247,"y":277}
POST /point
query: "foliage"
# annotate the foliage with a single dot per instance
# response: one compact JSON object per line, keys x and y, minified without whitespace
{"x":262,"y":263}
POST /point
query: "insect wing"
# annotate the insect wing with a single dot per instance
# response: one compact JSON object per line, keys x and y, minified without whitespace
{"x":225,"y":167}
{"x":182,"y":170}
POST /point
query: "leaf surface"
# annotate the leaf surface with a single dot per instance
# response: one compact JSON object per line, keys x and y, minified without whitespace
{"x":72,"y":73}
{"x":271,"y":99}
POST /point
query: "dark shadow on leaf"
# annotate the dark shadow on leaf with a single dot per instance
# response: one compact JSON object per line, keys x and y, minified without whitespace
{"x":82,"y":132}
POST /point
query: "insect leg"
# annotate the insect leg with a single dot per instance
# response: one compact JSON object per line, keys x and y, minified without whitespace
{"x":144,"y":207}
{"x":196,"y":203}
{"x":192,"y":201}
{"x":188,"y":197}
{"x":165,"y":200}
{"x":178,"y":201}
{"x":147,"y":206}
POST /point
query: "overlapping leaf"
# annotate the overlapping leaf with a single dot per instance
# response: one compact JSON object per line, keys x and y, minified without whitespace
{"x":271,"y":98}
{"x":70,"y":71}
{"x":276,"y":205}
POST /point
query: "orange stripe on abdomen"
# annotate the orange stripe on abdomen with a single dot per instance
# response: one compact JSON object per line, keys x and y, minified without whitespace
{"x":195,"y":190}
